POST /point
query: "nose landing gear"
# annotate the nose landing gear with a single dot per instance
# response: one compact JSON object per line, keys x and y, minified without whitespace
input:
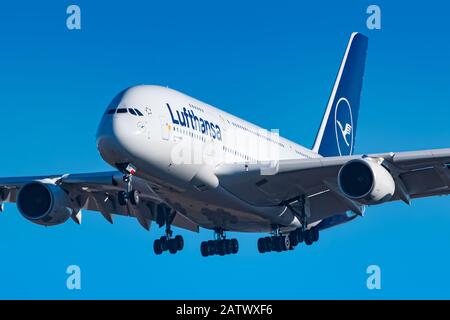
{"x":130,"y":194}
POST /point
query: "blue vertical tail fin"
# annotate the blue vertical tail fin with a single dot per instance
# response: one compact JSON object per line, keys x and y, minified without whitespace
{"x":336,"y":135}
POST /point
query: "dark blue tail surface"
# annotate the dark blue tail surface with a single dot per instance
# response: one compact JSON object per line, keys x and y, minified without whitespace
{"x":336,"y":135}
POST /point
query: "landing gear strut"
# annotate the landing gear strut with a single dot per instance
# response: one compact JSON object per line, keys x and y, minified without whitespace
{"x":130,"y":194}
{"x":220,"y":246}
{"x":167,"y":242}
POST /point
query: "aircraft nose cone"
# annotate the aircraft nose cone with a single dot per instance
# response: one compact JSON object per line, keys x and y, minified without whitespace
{"x":113,"y":136}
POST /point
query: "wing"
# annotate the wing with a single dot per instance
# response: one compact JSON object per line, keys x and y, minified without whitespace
{"x":416,"y":174}
{"x":98,"y":192}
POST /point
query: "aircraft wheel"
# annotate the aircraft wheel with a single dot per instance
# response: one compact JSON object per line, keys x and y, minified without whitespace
{"x":172,"y":244}
{"x":164,"y":243}
{"x":228,"y":247}
{"x":262,"y":248}
{"x":157,"y":248}
{"x":273,"y":240}
{"x":315,"y":234}
{"x":221,"y":249}
{"x":234,"y":246}
{"x":300,"y":237}
{"x":293,"y":238}
{"x":122,"y":198}
{"x":286,"y":243}
{"x":179,"y":242}
{"x":204,"y":250}
{"x":211,"y":248}
{"x":269,"y":244}
{"x":133,"y":195}
{"x":307,"y":235}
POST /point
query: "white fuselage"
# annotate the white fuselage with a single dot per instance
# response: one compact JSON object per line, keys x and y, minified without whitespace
{"x":178,"y":142}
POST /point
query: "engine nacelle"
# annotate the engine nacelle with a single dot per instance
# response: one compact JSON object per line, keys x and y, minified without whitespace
{"x":44,"y":203}
{"x":366,"y":181}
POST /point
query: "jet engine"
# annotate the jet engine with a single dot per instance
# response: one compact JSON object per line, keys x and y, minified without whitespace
{"x":44,"y":203}
{"x":366,"y":181}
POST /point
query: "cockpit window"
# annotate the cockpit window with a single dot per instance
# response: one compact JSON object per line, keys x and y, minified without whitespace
{"x":133,"y":111}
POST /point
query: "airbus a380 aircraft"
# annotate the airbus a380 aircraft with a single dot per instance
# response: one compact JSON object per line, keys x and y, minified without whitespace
{"x":184,"y":163}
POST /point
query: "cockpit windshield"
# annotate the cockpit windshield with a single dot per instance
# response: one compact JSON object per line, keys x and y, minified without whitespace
{"x":133,"y":111}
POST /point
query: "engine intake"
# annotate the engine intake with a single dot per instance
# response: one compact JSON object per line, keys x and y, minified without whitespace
{"x":44,"y":203}
{"x":366,"y":181}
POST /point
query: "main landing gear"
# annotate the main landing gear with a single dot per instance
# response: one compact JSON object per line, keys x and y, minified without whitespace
{"x":130,"y":194}
{"x":165,"y":217}
{"x":221,"y":246}
{"x":309,"y":236}
{"x":279,"y":243}
{"x":167,"y":243}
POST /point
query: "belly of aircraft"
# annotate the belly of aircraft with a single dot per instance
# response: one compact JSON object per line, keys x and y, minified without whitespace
{"x":212,"y":209}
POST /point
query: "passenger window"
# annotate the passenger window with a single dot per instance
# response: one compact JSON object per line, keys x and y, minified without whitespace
{"x":122,"y":110}
{"x":132,"y":111}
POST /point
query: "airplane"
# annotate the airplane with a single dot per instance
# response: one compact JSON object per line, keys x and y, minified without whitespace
{"x":180,"y":162}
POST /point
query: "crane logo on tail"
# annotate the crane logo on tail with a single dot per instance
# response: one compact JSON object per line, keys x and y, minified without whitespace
{"x":344,"y":127}
{"x":347,"y":131}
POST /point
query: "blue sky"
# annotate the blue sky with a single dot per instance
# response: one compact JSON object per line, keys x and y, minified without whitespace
{"x":272,"y":63}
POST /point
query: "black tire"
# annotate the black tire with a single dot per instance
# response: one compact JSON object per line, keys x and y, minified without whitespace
{"x":276,"y":243}
{"x":315,"y":234}
{"x":204,"y":249}
{"x":300,"y":236}
{"x":286,"y":243}
{"x":134,"y":197}
{"x":212,"y":248}
{"x":234,"y":246}
{"x":228,"y":247}
{"x":180,"y":242}
{"x":269,"y":243}
{"x":157,"y":248}
{"x":293,"y":238}
{"x":164,"y":243}
{"x":221,"y":247}
{"x":308,"y":237}
{"x":172,"y":244}
{"x":122,"y":198}
{"x":262,"y":245}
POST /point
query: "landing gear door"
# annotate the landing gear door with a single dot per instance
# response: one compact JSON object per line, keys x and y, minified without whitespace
{"x":165,"y":128}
